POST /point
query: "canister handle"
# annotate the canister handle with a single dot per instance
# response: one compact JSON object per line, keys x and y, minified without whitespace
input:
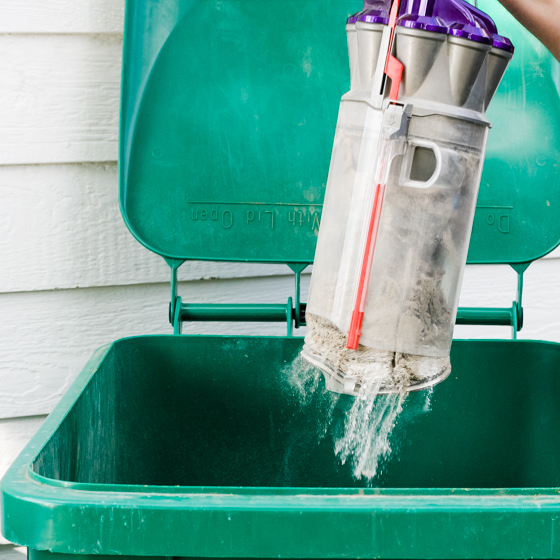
{"x":406,"y":181}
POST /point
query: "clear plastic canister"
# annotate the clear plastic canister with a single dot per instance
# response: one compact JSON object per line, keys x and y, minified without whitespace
{"x":423,"y":238}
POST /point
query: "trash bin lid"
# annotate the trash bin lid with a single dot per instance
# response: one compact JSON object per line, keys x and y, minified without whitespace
{"x":229,"y":109}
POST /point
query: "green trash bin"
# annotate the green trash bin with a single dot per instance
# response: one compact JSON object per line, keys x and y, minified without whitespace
{"x":198,"y":446}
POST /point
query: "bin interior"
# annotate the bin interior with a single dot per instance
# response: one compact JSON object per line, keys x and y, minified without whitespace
{"x":224,"y":411}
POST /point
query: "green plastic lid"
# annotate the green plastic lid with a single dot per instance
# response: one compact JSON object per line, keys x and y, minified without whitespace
{"x":229,"y":110}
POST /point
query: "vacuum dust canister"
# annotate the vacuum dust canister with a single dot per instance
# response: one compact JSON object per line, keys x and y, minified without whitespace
{"x":401,"y":193}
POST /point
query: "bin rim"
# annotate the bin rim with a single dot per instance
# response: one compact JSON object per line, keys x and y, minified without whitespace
{"x":31,"y":451}
{"x":41,"y":513}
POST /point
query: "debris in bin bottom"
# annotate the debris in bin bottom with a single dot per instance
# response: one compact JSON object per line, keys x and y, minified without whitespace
{"x":381,"y":371}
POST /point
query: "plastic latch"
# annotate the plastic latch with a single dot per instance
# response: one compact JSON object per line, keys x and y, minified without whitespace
{"x":393,"y":67}
{"x":395,"y":72}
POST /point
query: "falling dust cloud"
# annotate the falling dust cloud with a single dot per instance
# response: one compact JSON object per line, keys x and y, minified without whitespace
{"x":363,"y":435}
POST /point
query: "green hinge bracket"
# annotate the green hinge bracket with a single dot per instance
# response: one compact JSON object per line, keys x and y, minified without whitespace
{"x":503,"y":316}
{"x":294,"y":314}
